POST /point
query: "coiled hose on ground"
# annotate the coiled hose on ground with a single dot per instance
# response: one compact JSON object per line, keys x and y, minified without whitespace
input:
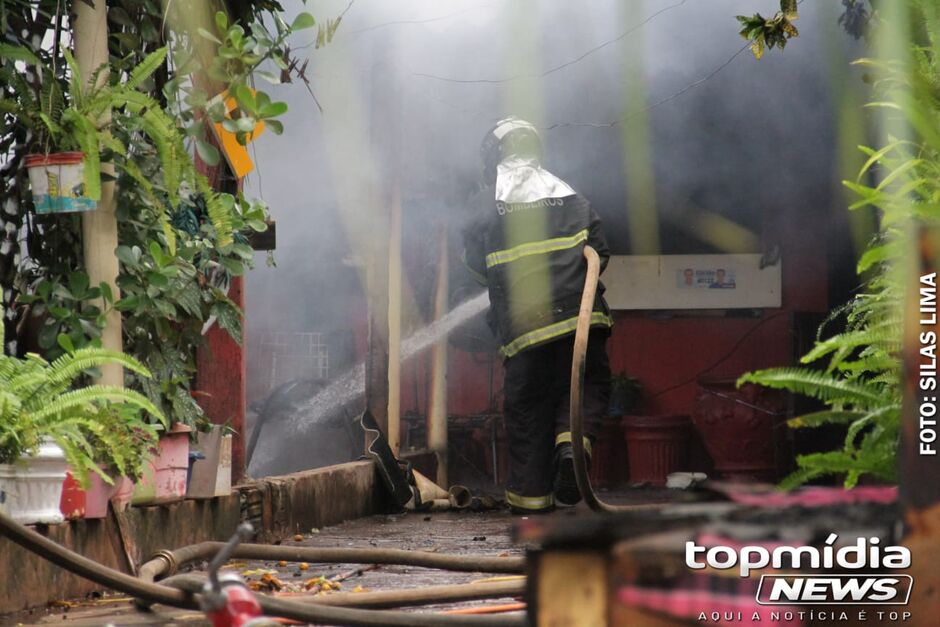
{"x":576,"y":406}
{"x":182,"y":596}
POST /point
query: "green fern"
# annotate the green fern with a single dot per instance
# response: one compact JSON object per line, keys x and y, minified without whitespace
{"x":220,"y":208}
{"x":860,"y":383}
{"x":818,"y":385}
{"x":150,"y":64}
{"x":96,"y":426}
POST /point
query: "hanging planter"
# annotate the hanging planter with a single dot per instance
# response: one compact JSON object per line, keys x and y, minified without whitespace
{"x":57,"y":182}
{"x":31,"y":488}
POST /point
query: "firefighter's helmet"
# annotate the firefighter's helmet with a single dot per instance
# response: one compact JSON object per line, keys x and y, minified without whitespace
{"x":511,"y":136}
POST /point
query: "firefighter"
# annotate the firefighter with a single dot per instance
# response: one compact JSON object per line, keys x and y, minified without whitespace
{"x":525,"y":242}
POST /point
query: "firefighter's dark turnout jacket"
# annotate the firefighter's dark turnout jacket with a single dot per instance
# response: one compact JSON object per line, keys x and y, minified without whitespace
{"x":530,"y":256}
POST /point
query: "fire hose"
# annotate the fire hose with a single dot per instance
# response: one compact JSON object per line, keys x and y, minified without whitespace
{"x":322,"y":614}
{"x":576,"y":406}
{"x":165,"y":563}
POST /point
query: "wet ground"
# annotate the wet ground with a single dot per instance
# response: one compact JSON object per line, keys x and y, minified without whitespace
{"x":478,"y":533}
{"x":482,"y":533}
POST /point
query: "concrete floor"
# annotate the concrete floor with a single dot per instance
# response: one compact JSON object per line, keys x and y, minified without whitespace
{"x":479,"y":533}
{"x":484,"y":533}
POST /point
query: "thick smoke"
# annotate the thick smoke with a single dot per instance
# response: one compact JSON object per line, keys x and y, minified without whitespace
{"x":409,"y":87}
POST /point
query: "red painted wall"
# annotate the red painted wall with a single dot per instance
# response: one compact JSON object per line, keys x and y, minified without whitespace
{"x":220,"y":381}
{"x":666,"y":353}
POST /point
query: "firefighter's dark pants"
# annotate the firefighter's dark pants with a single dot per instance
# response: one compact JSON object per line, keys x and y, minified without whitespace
{"x":537,"y":387}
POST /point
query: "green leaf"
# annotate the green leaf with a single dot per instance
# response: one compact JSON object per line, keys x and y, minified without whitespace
{"x":245,"y":124}
{"x":85,"y":134}
{"x":229,"y":320}
{"x":272,"y":78}
{"x":276,"y":127}
{"x":128,"y":303}
{"x":207,"y":35}
{"x":874,"y":255}
{"x":190,"y":300}
{"x":819,"y":418}
{"x":65,"y":342}
{"x":245,"y":98}
{"x":146,"y":68}
{"x":127,"y":255}
{"x":49,"y":334}
{"x":106,"y":293}
{"x":78,"y":284}
{"x":208,"y":153}
{"x":233,"y":266}
{"x":302,"y":21}
{"x":273,"y":110}
{"x":815,"y":384}
{"x":221,"y":21}
{"x":157,"y":279}
{"x":18,"y":53}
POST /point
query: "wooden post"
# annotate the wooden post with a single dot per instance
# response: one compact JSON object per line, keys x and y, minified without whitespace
{"x":571,"y":588}
{"x":377,"y":340}
{"x":394,"y":322}
{"x":220,"y":382}
{"x":437,"y":408}
{"x":378,"y":222}
{"x":99,"y":228}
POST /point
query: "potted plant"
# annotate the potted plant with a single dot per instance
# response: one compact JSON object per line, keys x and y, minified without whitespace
{"x":608,"y":467}
{"x":47,"y":424}
{"x":62,"y":114}
{"x":63,"y":164}
{"x":165,"y":475}
{"x":742,"y":428}
{"x":122,"y":443}
{"x":624,"y":394}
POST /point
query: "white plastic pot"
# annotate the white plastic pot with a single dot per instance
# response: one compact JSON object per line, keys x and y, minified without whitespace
{"x":30,"y":489}
{"x":58,"y":182}
{"x":7,"y":486}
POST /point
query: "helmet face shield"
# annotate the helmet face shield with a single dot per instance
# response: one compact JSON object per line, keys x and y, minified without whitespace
{"x":510,"y":136}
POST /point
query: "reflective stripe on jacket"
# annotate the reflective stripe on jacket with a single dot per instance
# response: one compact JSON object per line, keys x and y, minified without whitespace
{"x":530,"y":256}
